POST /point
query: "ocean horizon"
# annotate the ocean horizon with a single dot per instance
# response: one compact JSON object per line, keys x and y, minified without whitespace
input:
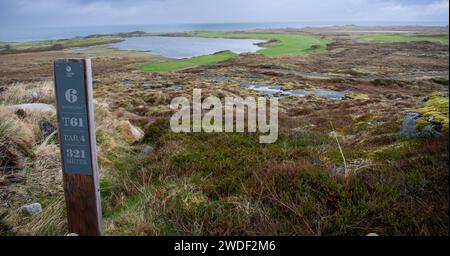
{"x":23,"y":34}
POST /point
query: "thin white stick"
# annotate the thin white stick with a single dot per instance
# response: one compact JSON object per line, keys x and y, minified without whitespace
{"x":340,"y":149}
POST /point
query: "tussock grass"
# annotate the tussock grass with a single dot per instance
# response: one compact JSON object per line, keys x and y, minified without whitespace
{"x":22,"y":146}
{"x":14,"y":131}
{"x":20,"y":93}
{"x":52,"y":221}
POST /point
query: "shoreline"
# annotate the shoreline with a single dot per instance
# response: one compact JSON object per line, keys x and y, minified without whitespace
{"x":336,"y":28}
{"x":278,"y":43}
{"x":110,"y":38}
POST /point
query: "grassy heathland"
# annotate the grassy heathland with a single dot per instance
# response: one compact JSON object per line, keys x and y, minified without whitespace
{"x":228,"y":183}
{"x":54,"y":44}
{"x":278,"y":45}
{"x":404,"y":39}
{"x":172,"y":65}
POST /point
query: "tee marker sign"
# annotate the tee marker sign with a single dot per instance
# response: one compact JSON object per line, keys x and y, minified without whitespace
{"x":74,"y":97}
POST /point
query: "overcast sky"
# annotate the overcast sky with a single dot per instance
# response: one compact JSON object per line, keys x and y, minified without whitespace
{"x":123,"y":12}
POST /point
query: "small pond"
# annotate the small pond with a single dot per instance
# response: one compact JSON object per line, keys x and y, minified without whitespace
{"x":187,"y":47}
{"x":277,"y":91}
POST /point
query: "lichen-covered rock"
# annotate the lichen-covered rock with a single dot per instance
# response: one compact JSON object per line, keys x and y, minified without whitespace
{"x":429,"y":121}
{"x":435,"y":113}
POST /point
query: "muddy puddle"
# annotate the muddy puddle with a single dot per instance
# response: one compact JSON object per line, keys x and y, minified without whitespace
{"x":329,"y":94}
{"x":278,"y":91}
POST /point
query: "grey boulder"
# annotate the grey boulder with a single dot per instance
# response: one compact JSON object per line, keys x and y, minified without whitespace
{"x":31,"y":209}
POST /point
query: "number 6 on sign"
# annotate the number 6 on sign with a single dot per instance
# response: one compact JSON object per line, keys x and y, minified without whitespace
{"x":71,"y":95}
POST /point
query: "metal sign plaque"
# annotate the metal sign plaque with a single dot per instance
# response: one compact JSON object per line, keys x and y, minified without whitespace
{"x":73,"y":115}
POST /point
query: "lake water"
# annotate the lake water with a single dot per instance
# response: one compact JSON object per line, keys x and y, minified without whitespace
{"x":20,"y":34}
{"x":187,"y":47}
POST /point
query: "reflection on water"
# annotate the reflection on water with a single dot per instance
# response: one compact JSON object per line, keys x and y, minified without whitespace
{"x":332,"y":95}
{"x":277,"y":91}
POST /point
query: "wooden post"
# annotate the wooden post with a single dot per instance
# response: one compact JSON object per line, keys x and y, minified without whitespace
{"x":74,"y":97}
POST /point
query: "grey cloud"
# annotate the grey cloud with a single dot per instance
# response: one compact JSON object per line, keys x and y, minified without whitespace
{"x":103,"y":12}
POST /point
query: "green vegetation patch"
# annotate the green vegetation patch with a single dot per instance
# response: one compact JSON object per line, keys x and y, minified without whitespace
{"x":229,"y":184}
{"x":59,"y":44}
{"x":279,"y":44}
{"x":393,"y":151}
{"x":174,"y":65}
{"x":357,"y":96}
{"x":443,"y":39}
{"x":436,"y":107}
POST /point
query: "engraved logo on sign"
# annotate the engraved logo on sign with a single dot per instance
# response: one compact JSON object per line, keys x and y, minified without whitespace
{"x":69,"y":73}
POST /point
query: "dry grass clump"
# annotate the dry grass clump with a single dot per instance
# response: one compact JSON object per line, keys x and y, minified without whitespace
{"x":19,"y":93}
{"x":22,"y":149}
{"x":47,"y":167}
{"x":25,"y":128}
{"x":52,"y":221}
{"x":29,"y":129}
{"x":15,"y":132}
{"x":111,"y":142}
{"x":29,"y":141}
{"x":181,"y":206}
